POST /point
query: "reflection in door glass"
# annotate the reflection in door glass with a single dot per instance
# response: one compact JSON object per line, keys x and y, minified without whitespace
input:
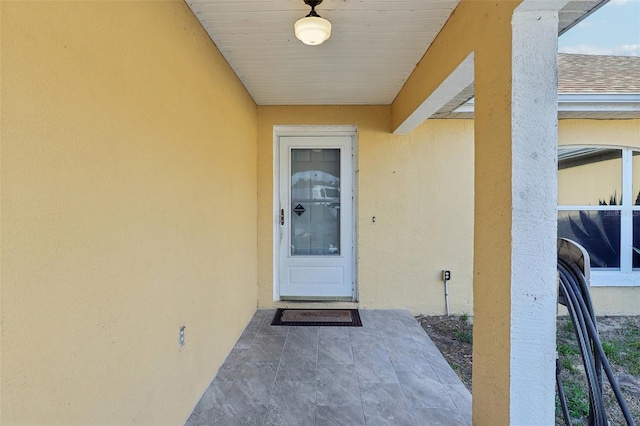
{"x":315,"y":202}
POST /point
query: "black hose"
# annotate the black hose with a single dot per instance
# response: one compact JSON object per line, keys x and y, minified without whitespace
{"x":575,"y":292}
{"x":597,"y":413}
{"x":607,"y":367}
{"x":586,"y":297}
{"x":561,"y":395}
{"x":598,"y":352}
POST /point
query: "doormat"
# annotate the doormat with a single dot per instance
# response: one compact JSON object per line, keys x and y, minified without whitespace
{"x":318,"y":317}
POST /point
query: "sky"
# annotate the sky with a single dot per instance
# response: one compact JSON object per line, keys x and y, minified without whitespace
{"x":614,"y":29}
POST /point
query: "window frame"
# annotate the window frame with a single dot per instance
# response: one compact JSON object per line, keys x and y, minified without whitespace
{"x":626,"y":275}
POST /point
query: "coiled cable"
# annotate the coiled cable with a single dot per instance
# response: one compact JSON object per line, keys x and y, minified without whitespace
{"x":574,"y":294}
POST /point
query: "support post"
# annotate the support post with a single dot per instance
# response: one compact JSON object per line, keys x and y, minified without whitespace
{"x":515,"y":285}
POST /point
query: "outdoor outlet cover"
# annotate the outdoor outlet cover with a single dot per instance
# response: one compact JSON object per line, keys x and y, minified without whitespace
{"x":181,"y":336}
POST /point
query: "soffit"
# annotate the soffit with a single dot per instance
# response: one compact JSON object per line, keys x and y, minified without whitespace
{"x":569,"y":16}
{"x":374,"y":46}
{"x":589,"y":86}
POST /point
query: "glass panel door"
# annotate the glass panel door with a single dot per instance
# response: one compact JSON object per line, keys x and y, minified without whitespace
{"x":315,"y":218}
{"x":315,"y":202}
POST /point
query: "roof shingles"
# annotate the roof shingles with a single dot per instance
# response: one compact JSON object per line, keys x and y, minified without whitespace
{"x":598,"y":74}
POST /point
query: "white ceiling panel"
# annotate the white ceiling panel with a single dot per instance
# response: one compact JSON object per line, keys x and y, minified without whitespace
{"x":374,"y":46}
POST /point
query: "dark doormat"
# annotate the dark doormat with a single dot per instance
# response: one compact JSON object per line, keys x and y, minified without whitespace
{"x":318,"y":317}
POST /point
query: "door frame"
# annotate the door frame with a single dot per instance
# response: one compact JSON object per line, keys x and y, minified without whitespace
{"x":310,"y":131}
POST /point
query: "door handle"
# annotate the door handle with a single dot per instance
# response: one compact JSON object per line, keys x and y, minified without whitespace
{"x":281,"y":216}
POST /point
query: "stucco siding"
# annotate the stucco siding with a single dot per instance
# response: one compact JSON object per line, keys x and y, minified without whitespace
{"x":599,"y":132}
{"x":137,"y":182}
{"x":420,"y":189}
{"x":128,"y":211}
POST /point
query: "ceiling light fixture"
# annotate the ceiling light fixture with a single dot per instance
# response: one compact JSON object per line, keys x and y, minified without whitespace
{"x":312,"y":29}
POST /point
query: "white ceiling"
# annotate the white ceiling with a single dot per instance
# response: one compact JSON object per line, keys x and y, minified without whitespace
{"x":374,"y":46}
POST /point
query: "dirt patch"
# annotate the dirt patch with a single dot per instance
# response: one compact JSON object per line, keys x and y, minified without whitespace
{"x":620,"y":337}
{"x":453,"y":337}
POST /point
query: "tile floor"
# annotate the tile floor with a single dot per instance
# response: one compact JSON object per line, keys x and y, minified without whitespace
{"x":387,"y":372}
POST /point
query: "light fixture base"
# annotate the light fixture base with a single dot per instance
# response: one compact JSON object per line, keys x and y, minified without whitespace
{"x":312,"y":3}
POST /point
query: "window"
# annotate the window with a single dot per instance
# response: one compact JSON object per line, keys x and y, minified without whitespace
{"x":599,"y":204}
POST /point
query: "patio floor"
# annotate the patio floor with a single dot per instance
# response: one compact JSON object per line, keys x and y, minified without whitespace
{"x":387,"y":372}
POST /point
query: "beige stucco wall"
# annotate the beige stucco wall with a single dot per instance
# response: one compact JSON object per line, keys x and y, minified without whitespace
{"x":599,"y":132}
{"x":419,"y":188}
{"x":128,"y":210}
{"x":129,"y":178}
{"x":616,"y":300}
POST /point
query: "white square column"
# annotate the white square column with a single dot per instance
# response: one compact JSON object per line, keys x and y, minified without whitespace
{"x":534,"y":130}
{"x":515,"y":284}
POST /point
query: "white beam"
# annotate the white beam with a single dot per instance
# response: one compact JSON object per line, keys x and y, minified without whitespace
{"x":457,"y":81}
{"x":583,"y":102}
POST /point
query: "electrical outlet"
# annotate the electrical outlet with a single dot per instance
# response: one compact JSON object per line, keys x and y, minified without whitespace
{"x":181,"y":336}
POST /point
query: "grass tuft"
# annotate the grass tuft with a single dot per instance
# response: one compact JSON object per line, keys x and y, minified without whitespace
{"x":611,"y":351}
{"x":577,"y":399}
{"x":568,"y":365}
{"x":569,"y":327}
{"x":567,"y":349}
{"x":464,"y":336}
{"x":620,"y":339}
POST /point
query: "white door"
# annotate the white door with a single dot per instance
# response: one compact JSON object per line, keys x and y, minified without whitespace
{"x":316,"y":218}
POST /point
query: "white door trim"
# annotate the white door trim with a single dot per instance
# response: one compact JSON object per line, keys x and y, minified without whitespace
{"x":279,"y":131}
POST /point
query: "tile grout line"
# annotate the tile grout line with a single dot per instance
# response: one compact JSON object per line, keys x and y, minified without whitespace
{"x":355,"y":370}
{"x":315,"y":412}
{"x":235,"y":375}
{"x":275,"y":378}
{"x":447,"y":386}
{"x":406,"y":401}
{"x":372,"y":335}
